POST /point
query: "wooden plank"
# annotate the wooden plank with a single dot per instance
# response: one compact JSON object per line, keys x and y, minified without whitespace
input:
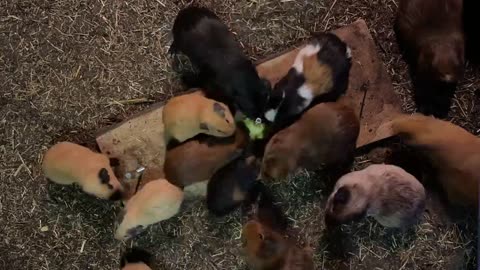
{"x":139,"y":141}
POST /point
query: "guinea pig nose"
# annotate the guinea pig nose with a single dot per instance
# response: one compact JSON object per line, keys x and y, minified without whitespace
{"x":330,"y":221}
{"x":448,"y":77}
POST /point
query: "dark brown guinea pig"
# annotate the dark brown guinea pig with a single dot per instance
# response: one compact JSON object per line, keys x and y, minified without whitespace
{"x":265,"y":244}
{"x":325,"y":135}
{"x":430,"y":32}
{"x":196,"y":160}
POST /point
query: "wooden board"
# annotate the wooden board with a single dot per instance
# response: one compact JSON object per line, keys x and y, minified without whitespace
{"x":139,"y":139}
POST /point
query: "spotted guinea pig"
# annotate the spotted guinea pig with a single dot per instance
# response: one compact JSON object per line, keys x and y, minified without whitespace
{"x":392,"y":196}
{"x":325,"y":135}
{"x":67,"y":163}
{"x":158,"y":200}
{"x":319,"y":74}
{"x":188,"y":115}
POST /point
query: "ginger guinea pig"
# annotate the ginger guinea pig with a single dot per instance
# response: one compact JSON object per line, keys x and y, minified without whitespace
{"x":158,"y":200}
{"x":67,"y":163}
{"x":388,"y":193}
{"x":135,"y":259}
{"x":319,"y":74}
{"x":196,"y":160}
{"x":325,"y":135}
{"x":453,"y":152}
{"x":191,"y":114}
{"x":226,"y":73}
{"x":430,"y":32}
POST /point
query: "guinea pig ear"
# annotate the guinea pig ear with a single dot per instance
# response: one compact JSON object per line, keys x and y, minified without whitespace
{"x":342,"y":196}
{"x":103,"y":175}
{"x":219,"y":109}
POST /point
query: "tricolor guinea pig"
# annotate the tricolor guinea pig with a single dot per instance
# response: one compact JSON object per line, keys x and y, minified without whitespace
{"x":227,"y":74}
{"x":430,"y":32}
{"x":158,"y":200}
{"x":196,"y":160}
{"x":230,"y":186}
{"x":67,"y":163}
{"x":135,"y":259}
{"x":325,"y":135}
{"x":392,"y":196}
{"x":188,"y":115}
{"x":453,"y":152}
{"x":319,"y":74}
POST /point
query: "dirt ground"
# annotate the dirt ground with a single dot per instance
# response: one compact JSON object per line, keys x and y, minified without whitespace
{"x":67,"y":66}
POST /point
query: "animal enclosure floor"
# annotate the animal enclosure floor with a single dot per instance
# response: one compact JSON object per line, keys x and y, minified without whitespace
{"x":68,"y":68}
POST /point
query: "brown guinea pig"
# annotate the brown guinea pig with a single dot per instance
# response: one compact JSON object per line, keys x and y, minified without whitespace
{"x":430,"y":32}
{"x":67,"y":163}
{"x":453,"y":152}
{"x":188,"y":115}
{"x":325,"y":135}
{"x":198,"y":159}
{"x":388,"y":193}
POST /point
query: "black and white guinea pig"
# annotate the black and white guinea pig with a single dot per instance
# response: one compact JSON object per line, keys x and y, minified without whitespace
{"x":135,"y":259}
{"x":226,"y":73}
{"x":67,"y":163}
{"x":319,"y":73}
{"x":388,"y":193}
{"x":158,"y":200}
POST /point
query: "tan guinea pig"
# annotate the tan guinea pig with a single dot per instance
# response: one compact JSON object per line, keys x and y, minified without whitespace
{"x":267,"y":249}
{"x":188,"y":115}
{"x":67,"y":163}
{"x":388,"y":193}
{"x":198,"y":159}
{"x":158,"y":200}
{"x":453,"y":152}
{"x":325,"y":135}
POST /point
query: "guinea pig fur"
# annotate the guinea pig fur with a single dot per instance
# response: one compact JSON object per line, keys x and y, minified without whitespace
{"x":196,"y":160}
{"x":230,"y":185}
{"x":325,"y":135}
{"x":453,"y":152}
{"x":430,"y":32}
{"x":67,"y":163}
{"x":158,"y":200}
{"x":319,"y":74}
{"x":188,"y":115}
{"x":200,"y":35}
{"x":265,"y":249}
{"x":392,"y":196}
{"x":135,"y":259}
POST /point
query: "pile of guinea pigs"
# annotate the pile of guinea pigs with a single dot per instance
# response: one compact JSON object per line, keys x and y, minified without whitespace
{"x":232,"y":132}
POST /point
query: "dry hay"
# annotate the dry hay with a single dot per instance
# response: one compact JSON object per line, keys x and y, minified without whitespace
{"x":66,"y":69}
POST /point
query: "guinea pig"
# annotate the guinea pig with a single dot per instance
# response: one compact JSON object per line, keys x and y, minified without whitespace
{"x":158,"y":200}
{"x":395,"y":198}
{"x":196,"y":160}
{"x":230,"y":186}
{"x":188,"y":115}
{"x":453,"y":152}
{"x":325,"y":135}
{"x":67,"y":163}
{"x":135,"y":259}
{"x":266,"y":249}
{"x":430,"y":32}
{"x":226,"y":73}
{"x":319,"y":74}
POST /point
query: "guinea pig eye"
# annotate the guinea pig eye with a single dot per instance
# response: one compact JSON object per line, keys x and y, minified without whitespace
{"x":103,"y":175}
{"x":260,"y":236}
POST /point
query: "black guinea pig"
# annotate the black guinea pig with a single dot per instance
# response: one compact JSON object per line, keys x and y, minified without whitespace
{"x":319,"y":74}
{"x":225,"y":72}
{"x":430,"y":34}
